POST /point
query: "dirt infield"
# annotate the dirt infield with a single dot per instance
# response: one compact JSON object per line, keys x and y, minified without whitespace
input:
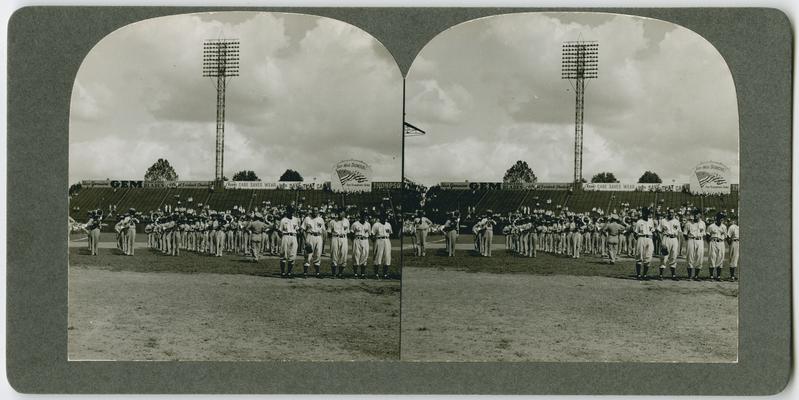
{"x":556,"y":309}
{"x":154,"y":307}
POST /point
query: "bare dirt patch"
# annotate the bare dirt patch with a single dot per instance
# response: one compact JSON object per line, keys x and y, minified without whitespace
{"x":455,"y":315}
{"x":126,"y":315}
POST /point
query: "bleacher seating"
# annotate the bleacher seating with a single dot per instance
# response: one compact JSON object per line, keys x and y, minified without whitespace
{"x":143,"y":199}
{"x":544,"y":199}
{"x":504,"y":201}
{"x":89,"y":199}
{"x":146,"y":200}
{"x":437,"y":203}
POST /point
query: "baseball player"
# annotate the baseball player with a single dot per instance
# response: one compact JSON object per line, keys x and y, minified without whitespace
{"x":339,"y":228}
{"x":381,"y":230}
{"x":630,"y":239}
{"x":695,"y":232}
{"x":257,"y":228}
{"x":325,"y":237}
{"x":718,"y":234}
{"x":733,"y":236}
{"x":422,"y":228}
{"x":275,"y":240}
{"x":644,"y":228}
{"x":360,"y":244}
{"x":288,"y":227}
{"x":669,"y":228}
{"x":312,"y":226}
{"x":614,"y":230}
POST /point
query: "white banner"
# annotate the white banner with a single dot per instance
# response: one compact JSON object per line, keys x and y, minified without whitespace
{"x":632,"y":187}
{"x":285,"y":185}
{"x":454,"y":185}
{"x":351,"y":176}
{"x":710,"y":177}
{"x":258,"y":185}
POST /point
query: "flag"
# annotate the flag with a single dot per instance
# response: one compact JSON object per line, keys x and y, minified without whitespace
{"x":707,"y":177}
{"x":411,"y":130}
{"x":347,"y":175}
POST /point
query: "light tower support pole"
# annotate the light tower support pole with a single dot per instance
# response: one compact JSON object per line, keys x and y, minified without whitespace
{"x":220,"y":128}
{"x":220,"y":61}
{"x":580,"y":61}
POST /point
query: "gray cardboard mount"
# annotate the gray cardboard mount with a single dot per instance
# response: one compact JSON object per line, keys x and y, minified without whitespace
{"x":45,"y":48}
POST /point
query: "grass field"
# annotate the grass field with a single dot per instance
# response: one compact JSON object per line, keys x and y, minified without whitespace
{"x":554,"y":308}
{"x":195,"y":307}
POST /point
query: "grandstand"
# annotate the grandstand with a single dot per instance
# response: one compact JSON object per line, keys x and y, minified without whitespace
{"x":150,"y":199}
{"x":439,"y":201}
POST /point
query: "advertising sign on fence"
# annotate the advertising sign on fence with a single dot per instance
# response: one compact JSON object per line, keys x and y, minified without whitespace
{"x":632,"y":187}
{"x":351,"y":176}
{"x":710,"y":177}
{"x":258,"y":185}
{"x":386,"y":185}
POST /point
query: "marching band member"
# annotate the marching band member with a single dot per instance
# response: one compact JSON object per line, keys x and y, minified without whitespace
{"x":488,"y":233}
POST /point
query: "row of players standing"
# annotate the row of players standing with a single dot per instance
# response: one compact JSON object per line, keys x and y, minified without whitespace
{"x":282,"y":234}
{"x":573,"y":234}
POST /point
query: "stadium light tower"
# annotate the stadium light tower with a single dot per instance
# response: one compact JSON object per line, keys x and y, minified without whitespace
{"x":580,"y":61}
{"x":220,"y":61}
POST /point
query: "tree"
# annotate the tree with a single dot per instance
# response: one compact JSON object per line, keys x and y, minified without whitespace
{"x":649,"y":177}
{"x":604,"y":177}
{"x":290,"y":176}
{"x":246,"y":176}
{"x":519,"y":173}
{"x":74,"y":188}
{"x":161,"y":171}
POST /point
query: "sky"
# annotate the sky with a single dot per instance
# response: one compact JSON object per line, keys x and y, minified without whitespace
{"x":312,"y":91}
{"x":488,"y":92}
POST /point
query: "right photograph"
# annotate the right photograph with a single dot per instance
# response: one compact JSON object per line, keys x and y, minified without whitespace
{"x":575,"y":177}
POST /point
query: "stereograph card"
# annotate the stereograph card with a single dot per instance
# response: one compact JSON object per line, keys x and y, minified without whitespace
{"x":399,"y":200}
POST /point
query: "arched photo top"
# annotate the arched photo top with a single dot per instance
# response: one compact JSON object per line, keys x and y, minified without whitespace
{"x":309,"y":91}
{"x":493,"y":89}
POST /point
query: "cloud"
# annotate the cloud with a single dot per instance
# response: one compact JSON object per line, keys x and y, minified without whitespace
{"x":310,"y":91}
{"x":664,"y":100}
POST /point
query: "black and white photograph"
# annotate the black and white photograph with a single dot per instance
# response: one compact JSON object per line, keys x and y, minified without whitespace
{"x":254,"y":186}
{"x":474,"y":199}
{"x":575,"y":186}
{"x":236,"y":187}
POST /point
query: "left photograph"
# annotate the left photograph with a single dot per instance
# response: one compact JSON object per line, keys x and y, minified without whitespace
{"x":235,"y":190}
